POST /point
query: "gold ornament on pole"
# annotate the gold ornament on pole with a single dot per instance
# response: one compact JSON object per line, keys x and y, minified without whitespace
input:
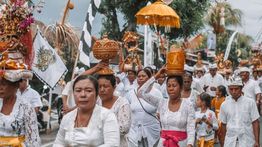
{"x":105,"y":49}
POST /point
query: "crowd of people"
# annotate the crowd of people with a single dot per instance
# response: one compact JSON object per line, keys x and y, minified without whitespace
{"x":144,"y":108}
{"x":200,"y":108}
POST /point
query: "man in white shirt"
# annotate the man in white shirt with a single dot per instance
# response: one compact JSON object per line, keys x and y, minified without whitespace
{"x":240,"y":119}
{"x":212,"y":80}
{"x":251,"y":87}
{"x":28,"y":94}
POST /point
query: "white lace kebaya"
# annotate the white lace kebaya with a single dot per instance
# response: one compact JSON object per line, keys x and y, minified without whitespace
{"x":21,"y":121}
{"x":121,"y":109}
{"x":181,"y":120}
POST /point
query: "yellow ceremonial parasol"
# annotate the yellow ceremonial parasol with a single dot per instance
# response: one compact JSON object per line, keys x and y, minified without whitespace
{"x":158,"y":14}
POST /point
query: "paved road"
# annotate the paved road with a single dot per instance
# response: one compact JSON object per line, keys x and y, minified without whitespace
{"x":48,"y":138}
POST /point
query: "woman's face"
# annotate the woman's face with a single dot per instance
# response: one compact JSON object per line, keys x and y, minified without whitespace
{"x":106,"y":90}
{"x":131,"y":76}
{"x":198,"y":102}
{"x":218,"y":93}
{"x":187,"y":83}
{"x":85,"y":94}
{"x":173,"y":88}
{"x":161,"y":79}
{"x":142,"y":77}
{"x":199,"y":74}
{"x":7,"y":89}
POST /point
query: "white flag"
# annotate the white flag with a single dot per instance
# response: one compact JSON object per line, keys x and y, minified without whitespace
{"x":47,"y":65}
{"x":229,"y":45}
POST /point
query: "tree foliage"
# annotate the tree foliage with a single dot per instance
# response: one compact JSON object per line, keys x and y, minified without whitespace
{"x":233,"y":17}
{"x":191,"y":13}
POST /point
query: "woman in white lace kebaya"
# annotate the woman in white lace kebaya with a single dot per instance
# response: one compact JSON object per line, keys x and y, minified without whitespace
{"x":145,"y":128}
{"x":118,"y":105}
{"x":176,"y":114}
{"x":17,"y":118}
{"x":187,"y":91}
{"x":89,"y":124}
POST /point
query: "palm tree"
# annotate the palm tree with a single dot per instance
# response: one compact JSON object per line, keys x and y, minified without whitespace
{"x":232,"y":17}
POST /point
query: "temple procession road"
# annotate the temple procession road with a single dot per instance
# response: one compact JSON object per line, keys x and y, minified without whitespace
{"x":49,"y":137}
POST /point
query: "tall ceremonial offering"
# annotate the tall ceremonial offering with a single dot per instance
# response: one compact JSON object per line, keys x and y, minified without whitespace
{"x":16,"y":53}
{"x":175,"y":61}
{"x":105,"y":49}
{"x":132,"y":61}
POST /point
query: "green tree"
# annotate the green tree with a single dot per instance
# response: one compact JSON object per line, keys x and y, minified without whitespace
{"x":191,"y":13}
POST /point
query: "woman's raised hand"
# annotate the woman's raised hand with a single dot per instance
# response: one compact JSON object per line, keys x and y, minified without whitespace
{"x":161,"y":71}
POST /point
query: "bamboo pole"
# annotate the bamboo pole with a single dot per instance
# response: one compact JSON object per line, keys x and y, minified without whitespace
{"x":65,"y":12}
{"x":75,"y":64}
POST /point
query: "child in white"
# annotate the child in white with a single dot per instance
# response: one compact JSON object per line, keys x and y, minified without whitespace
{"x":206,"y":122}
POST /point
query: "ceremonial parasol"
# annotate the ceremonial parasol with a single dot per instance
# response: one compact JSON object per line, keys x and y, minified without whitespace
{"x":158,"y":14}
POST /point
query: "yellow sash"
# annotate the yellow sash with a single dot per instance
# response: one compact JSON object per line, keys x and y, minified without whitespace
{"x":202,"y":143}
{"x":12,"y":141}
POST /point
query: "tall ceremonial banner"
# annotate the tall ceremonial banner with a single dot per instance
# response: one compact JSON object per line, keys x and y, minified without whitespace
{"x":229,"y":45}
{"x":86,"y":38}
{"x":47,"y":64}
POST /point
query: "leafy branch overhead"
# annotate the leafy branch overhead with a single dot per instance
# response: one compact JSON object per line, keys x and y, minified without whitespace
{"x":191,"y":13}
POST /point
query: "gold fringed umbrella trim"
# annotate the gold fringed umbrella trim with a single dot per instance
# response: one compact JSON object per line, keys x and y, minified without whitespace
{"x":158,"y":14}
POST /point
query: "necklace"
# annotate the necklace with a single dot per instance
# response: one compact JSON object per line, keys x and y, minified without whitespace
{"x":79,"y":124}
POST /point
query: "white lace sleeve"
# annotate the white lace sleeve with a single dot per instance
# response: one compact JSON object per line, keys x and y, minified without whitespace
{"x":124,"y":118}
{"x":145,"y":93}
{"x":190,"y":123}
{"x":31,"y":132}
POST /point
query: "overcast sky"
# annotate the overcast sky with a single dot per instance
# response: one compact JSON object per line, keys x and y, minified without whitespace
{"x":53,"y":11}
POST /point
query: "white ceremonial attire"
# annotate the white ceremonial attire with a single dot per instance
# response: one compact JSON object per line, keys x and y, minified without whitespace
{"x":163,"y":90}
{"x":193,"y":97}
{"x":21,"y":121}
{"x":120,"y":89}
{"x":196,"y":85}
{"x":128,"y":86}
{"x":101,"y":131}
{"x":68,"y":91}
{"x":210,"y":81}
{"x":122,"y":110}
{"x":143,"y":125}
{"x":202,"y":129}
{"x":251,"y":89}
{"x":31,"y":96}
{"x":238,"y":117}
{"x":181,"y":120}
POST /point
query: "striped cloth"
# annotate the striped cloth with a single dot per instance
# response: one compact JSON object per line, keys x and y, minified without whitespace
{"x":86,"y":38}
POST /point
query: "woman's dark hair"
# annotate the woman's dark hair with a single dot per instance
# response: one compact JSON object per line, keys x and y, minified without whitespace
{"x":133,"y":71}
{"x":206,"y":98}
{"x":150,"y":69}
{"x":84,"y":77}
{"x":189,"y":75}
{"x":148,"y":72}
{"x":110,"y":78}
{"x":178,"y":78}
{"x":223,"y":90}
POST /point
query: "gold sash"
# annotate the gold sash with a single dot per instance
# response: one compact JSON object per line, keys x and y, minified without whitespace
{"x":202,"y":143}
{"x":12,"y":141}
